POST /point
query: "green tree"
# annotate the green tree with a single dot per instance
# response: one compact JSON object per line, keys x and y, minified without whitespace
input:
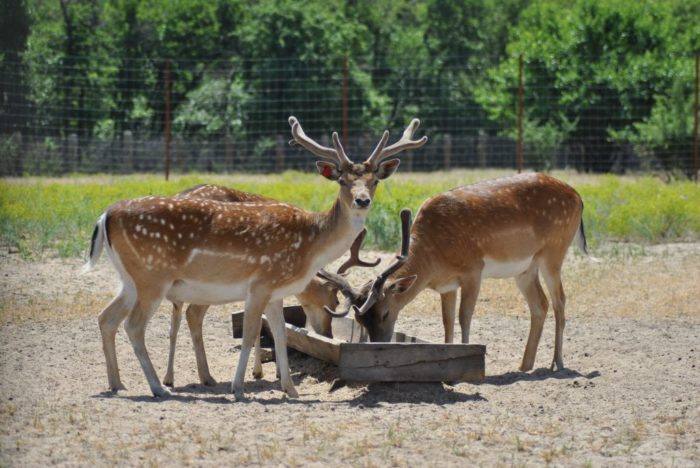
{"x":592,"y":69}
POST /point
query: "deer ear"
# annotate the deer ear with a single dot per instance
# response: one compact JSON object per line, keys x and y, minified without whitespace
{"x":387,"y":168}
{"x":402,"y":285}
{"x":328,"y":170}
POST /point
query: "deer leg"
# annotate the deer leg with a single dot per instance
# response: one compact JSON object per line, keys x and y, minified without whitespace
{"x":195,"y":318}
{"x":275,"y":317}
{"x":258,"y":372}
{"x":175,"y":319}
{"x":109,"y":321}
{"x":467,"y":303}
{"x":135,"y":326}
{"x":552,"y":278}
{"x":530,"y":287}
{"x":255,"y":304}
{"x":257,"y":360}
{"x":448,"y":301}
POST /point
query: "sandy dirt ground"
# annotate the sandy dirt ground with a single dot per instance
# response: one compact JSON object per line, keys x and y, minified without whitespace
{"x":629,"y":395}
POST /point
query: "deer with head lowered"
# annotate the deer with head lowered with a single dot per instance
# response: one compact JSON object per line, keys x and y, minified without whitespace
{"x":516,"y":227}
{"x":317,"y":294}
{"x":210,"y":252}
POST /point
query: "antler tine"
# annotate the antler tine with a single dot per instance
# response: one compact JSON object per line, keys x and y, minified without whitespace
{"x":342,"y":157}
{"x":400,"y":260}
{"x":345,"y":288}
{"x":373,"y":158}
{"x":300,"y":138}
{"x":335,"y":278}
{"x":404,"y":143}
{"x":354,"y":259}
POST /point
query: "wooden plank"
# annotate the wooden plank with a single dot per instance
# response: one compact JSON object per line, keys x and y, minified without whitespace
{"x":407,"y":359}
{"x":313,"y":344}
{"x":411,"y":362}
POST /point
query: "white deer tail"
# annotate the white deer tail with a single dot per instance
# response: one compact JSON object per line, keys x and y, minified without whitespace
{"x":99,"y":236}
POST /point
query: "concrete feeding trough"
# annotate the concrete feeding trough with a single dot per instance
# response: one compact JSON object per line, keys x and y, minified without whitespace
{"x":404,"y":359}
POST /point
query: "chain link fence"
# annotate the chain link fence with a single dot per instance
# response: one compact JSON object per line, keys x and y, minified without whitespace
{"x":130,"y":115}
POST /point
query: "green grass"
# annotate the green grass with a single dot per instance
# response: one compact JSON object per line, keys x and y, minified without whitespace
{"x":645,"y":210}
{"x":40,"y":215}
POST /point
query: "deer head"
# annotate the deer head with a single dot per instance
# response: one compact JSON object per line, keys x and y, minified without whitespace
{"x":357,"y":181}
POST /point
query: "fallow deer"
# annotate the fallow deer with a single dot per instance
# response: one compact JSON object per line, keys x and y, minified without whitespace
{"x":511,"y":227}
{"x":209,"y":252}
{"x":317,"y":295}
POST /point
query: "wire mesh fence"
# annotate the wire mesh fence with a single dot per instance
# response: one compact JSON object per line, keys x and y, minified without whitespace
{"x":76,"y":115}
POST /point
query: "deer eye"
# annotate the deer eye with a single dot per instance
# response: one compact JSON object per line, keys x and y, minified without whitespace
{"x":385,"y":316}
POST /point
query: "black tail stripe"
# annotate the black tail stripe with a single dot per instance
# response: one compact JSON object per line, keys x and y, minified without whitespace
{"x":109,"y":242}
{"x":94,"y":238}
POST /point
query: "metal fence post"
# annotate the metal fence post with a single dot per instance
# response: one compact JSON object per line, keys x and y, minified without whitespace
{"x":345,"y":101}
{"x":519,"y":147}
{"x":167,"y":119}
{"x":696,"y":168}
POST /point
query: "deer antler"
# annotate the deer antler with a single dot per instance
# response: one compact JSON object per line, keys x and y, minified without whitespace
{"x":378,"y":283}
{"x":349,"y":293}
{"x":354,"y":259}
{"x":381,"y":152}
{"x":336,"y":154}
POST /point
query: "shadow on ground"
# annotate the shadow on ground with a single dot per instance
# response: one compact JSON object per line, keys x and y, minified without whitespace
{"x":537,"y":375}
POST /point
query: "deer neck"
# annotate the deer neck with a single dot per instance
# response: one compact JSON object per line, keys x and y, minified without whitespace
{"x":337,"y":229}
{"x":416,"y":264}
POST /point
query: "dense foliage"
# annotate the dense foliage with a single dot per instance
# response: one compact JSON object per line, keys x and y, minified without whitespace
{"x":602,"y":72}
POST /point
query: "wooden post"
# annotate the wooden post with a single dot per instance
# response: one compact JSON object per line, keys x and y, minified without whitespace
{"x":18,"y":168}
{"x":167,"y":119}
{"x":128,"y":151}
{"x":696,"y":168}
{"x":72,"y":161}
{"x":519,"y":147}
{"x":482,"y":148}
{"x":229,"y":153}
{"x":279,"y":153}
{"x":447,"y":152}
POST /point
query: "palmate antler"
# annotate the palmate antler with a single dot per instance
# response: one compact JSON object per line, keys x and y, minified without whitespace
{"x":381,"y":153}
{"x":337,"y":153}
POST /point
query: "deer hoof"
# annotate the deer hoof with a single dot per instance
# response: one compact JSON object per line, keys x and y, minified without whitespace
{"x":209,"y":381}
{"x":162,"y":392}
{"x":117,"y":387}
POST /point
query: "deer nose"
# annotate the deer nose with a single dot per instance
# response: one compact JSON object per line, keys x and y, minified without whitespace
{"x":363,"y":202}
